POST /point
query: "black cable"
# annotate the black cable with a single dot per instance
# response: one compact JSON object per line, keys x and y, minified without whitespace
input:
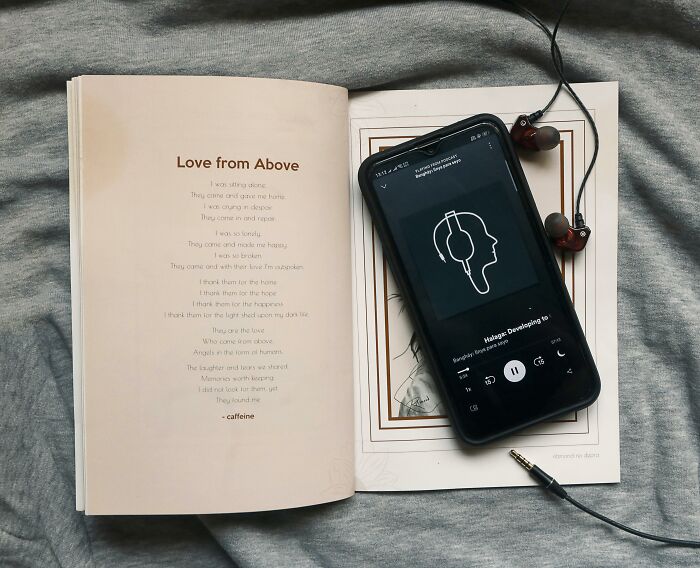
{"x":559,"y":68}
{"x":550,"y":103}
{"x":667,"y":540}
{"x":578,"y":219}
{"x":551,"y":484}
{"x":558,"y":62}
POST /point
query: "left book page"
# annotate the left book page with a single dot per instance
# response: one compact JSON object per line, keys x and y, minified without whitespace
{"x":211,"y":294}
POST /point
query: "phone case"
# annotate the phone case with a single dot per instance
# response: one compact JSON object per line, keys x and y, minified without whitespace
{"x":403,"y":282}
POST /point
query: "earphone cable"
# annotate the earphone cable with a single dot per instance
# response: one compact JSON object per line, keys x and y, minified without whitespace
{"x":558,"y":61}
{"x":551,"y":485}
{"x":664,"y":539}
{"x":554,"y":49}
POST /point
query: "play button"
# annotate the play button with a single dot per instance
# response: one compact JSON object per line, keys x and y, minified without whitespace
{"x":514,"y":371}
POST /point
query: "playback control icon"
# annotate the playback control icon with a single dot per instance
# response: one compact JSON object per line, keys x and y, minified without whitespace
{"x":514,"y":371}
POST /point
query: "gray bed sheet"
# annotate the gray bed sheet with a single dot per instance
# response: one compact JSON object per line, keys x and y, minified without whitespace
{"x":650,"y":47}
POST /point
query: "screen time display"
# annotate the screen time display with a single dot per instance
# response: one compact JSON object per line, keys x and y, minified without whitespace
{"x":491,"y":304}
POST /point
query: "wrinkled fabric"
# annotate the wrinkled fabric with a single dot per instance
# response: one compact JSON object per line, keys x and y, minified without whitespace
{"x":650,"y":47}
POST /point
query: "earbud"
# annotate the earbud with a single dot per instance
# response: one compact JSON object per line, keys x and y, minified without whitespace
{"x":531,"y":137}
{"x":563,"y":235}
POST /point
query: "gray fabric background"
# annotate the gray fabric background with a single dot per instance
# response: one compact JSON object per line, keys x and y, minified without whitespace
{"x":650,"y":47}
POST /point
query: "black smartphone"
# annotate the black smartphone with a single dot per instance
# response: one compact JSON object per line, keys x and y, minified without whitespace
{"x":467,"y":248}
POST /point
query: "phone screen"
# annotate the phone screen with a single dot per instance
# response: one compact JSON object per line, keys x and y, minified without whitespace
{"x":491,"y":303}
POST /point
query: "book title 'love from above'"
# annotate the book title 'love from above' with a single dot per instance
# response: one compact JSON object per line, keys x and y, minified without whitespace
{"x":226,"y":164}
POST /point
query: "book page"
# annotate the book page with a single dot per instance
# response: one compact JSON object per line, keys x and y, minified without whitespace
{"x":210,"y":223}
{"x":403,"y":437}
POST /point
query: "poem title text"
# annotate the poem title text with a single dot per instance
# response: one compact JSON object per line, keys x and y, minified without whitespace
{"x":225,"y":164}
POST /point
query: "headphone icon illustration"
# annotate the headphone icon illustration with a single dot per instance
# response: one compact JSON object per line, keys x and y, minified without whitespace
{"x":468,"y":242}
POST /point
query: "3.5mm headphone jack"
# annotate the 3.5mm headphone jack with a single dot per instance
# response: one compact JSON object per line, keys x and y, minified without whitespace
{"x":547,"y":481}
{"x":551,"y":484}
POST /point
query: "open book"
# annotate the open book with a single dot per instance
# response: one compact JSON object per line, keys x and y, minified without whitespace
{"x":239,"y":342}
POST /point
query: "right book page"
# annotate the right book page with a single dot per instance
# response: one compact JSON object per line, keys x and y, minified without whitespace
{"x":403,"y":437}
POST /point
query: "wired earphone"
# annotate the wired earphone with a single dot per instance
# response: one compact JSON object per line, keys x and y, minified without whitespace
{"x":523,"y":133}
{"x":563,"y":235}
